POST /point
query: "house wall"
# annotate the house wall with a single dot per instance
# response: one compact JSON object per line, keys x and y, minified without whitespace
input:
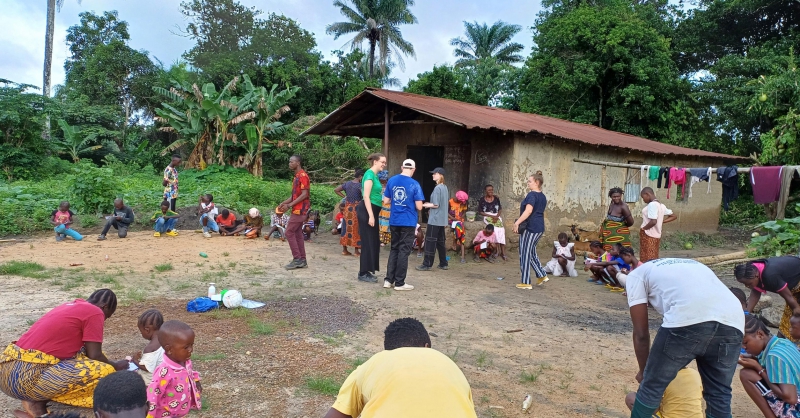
{"x":457,"y":150}
{"x":577,"y":193}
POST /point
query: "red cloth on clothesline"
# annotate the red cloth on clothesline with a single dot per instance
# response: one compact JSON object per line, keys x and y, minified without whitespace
{"x":766,"y":182}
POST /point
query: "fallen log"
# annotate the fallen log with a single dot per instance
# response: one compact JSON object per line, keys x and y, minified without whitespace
{"x":716,"y":259}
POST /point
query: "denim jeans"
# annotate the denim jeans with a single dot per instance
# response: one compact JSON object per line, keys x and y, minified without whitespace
{"x":163,"y":225}
{"x":714,"y":346}
{"x":211,"y":225}
{"x":61,"y":229}
{"x":402,"y":242}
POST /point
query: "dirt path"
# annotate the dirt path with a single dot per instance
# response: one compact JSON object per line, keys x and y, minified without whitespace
{"x":574,"y":354}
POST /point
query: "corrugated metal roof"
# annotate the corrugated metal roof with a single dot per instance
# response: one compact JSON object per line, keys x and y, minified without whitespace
{"x":472,"y":116}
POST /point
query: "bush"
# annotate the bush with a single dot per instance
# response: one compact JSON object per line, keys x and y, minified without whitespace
{"x":780,"y":237}
{"x":92,"y":189}
{"x":26,"y":205}
{"x":743,"y":212}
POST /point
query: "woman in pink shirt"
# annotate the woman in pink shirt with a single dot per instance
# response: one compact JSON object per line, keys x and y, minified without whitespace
{"x":779,"y":275}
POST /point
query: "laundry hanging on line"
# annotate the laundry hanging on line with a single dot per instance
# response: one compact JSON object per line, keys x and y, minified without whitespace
{"x":729,"y":177}
{"x":787,"y":175}
{"x":766,"y":182}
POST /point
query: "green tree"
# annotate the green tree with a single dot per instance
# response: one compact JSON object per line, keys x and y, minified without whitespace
{"x":483,"y":42}
{"x":606,"y":65}
{"x":377,"y":22}
{"x":74,"y":143}
{"x":446,"y":82}
{"x":778,"y":98}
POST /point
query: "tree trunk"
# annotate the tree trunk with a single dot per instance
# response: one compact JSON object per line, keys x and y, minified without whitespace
{"x":48,"y":46}
{"x":372,"y":59}
{"x":48,"y":59}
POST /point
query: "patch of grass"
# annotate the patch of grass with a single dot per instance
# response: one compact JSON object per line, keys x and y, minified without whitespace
{"x":566,"y":381}
{"x":529,"y":377}
{"x":354,"y":363}
{"x":255,"y":284}
{"x":182,"y":286}
{"x":258,"y":327}
{"x":324,"y":258}
{"x":209,"y":357}
{"x":334,"y":340}
{"x":240,"y":312}
{"x":383,"y":293}
{"x":594,"y":388}
{"x":163,"y":267}
{"x":89,"y":221}
{"x":30,"y":322}
{"x":294,"y":284}
{"x":225,"y":254}
{"x":454,"y":356}
{"x":232,"y":265}
{"x":483,"y":359}
{"x":135,"y":295}
{"x":21,"y":268}
{"x":324,"y":385}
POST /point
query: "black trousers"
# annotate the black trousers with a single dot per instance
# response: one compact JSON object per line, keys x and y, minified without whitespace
{"x":370,"y":239}
{"x":435,"y":242}
{"x":402,"y":243}
{"x":172,"y":203}
{"x":122,"y":229}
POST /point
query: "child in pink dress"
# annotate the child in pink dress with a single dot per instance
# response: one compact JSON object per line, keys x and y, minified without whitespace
{"x":175,"y":388}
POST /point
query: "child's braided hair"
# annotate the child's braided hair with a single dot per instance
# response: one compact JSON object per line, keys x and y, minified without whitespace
{"x":151,"y":317}
{"x":105,"y":297}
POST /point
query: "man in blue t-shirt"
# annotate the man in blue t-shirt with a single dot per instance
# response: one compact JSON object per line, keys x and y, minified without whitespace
{"x":405,"y":195}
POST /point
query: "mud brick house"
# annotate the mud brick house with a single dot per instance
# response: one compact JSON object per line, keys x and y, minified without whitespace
{"x":479,"y":145}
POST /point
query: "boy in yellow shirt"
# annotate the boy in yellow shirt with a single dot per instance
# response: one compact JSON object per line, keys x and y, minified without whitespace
{"x":407,"y":369}
{"x":682,"y":399}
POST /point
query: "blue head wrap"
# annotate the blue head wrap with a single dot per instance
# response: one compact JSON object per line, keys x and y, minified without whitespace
{"x":383,"y":175}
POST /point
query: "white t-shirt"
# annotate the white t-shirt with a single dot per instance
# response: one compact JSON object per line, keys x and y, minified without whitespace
{"x":213,"y":212}
{"x":685,"y":292}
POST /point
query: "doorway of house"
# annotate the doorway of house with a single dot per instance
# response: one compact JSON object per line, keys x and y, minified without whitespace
{"x":426,"y":159}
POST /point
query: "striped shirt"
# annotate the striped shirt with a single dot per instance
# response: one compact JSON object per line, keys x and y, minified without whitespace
{"x":781,"y":359}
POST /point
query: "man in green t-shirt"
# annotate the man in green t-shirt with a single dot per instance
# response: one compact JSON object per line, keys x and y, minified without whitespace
{"x":165,"y":221}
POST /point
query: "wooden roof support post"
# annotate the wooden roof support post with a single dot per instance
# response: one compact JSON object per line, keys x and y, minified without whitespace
{"x":386,"y":128}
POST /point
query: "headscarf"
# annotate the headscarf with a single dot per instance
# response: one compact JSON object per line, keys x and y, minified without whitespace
{"x":254,"y":213}
{"x":383,"y":175}
{"x":462,"y":196}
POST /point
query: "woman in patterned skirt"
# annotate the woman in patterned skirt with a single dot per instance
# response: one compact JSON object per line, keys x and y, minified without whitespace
{"x":351,"y":192}
{"x":616,"y":226}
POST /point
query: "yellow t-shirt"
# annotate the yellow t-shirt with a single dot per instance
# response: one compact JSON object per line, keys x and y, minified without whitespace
{"x":683,"y":397}
{"x":406,"y":382}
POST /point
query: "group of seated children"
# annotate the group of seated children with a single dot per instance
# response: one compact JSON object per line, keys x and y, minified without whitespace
{"x":173,"y":386}
{"x":611,"y":268}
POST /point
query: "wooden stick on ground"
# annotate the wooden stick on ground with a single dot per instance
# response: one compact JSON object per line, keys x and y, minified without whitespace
{"x":715,"y":259}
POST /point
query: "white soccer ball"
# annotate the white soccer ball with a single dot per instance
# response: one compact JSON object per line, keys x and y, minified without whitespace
{"x":232,"y":299}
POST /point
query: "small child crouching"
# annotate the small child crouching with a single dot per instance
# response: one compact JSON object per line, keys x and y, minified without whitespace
{"x":484,"y":244}
{"x":175,"y":388}
{"x":153,"y":354}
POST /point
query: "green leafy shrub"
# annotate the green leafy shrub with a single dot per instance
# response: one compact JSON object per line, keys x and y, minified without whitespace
{"x":92,"y":189}
{"x":743,"y":212}
{"x":780,"y":237}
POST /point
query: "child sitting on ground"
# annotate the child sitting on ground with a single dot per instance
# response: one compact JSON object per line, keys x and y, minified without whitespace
{"x":175,"y":388}
{"x":164,"y":221}
{"x":596,"y":254}
{"x":208,"y":213}
{"x":484,"y":244}
{"x":279,"y":221}
{"x":153,"y":354}
{"x":629,"y":257}
{"x":310,"y":227}
{"x":563,"y":262}
{"x":62,"y":220}
{"x":337,"y":223}
{"x":606,"y":271}
{"x":226,"y":220}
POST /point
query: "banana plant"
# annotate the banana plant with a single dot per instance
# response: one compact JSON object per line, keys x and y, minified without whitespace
{"x":74,"y":144}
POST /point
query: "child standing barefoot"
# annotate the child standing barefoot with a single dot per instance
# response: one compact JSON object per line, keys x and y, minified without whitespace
{"x":153,"y":354}
{"x":175,"y":388}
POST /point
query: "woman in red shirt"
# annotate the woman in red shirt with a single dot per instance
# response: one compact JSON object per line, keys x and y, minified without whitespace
{"x":60,"y":358}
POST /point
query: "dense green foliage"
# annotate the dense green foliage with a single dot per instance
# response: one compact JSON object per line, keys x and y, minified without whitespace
{"x":781,"y":237}
{"x":484,"y":42}
{"x":92,"y":189}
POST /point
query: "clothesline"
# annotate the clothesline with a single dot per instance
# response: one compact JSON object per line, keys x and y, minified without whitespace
{"x":639,"y":166}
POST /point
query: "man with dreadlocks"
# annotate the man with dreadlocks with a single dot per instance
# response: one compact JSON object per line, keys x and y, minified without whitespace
{"x":407,"y":369}
{"x":60,"y":358}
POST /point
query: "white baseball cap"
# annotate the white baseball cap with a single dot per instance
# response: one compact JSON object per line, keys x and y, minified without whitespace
{"x":409,"y":163}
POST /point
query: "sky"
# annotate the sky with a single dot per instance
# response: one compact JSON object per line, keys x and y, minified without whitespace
{"x":155,"y":26}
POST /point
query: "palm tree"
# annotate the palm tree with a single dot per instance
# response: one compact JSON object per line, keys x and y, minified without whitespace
{"x":484,"y":42}
{"x":74,"y":144}
{"x":377,"y":22}
{"x":52,"y":6}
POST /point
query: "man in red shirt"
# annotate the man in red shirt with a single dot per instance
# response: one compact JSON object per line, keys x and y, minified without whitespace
{"x":299,"y":204}
{"x":60,"y":358}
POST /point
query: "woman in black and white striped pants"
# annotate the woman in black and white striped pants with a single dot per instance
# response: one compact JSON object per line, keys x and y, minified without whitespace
{"x":531,"y":210}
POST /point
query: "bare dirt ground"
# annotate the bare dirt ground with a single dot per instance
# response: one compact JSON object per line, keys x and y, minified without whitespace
{"x":574,"y":354}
